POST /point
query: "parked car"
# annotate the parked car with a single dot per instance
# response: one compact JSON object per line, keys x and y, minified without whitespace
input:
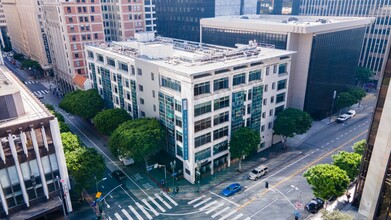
{"x":118,"y":174}
{"x":126,"y":160}
{"x":258,"y":172}
{"x":351,"y":113}
{"x":314,"y":205}
{"x":231,"y":189}
{"x":343,"y":118}
{"x":39,"y":96}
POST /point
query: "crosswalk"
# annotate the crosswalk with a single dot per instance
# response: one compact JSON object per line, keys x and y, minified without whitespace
{"x":41,"y":92}
{"x":30,"y":82}
{"x":146,"y":209}
{"x":217,"y":209}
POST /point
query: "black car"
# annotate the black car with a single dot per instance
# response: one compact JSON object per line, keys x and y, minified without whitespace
{"x":119,"y":175}
{"x":314,"y":205}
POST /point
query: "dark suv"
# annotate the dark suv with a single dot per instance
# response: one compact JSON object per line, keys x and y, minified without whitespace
{"x":119,"y":175}
{"x":314,"y":205}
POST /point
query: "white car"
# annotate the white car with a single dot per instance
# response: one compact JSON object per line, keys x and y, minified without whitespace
{"x":126,"y":161}
{"x":351,"y":113}
{"x":343,"y":118}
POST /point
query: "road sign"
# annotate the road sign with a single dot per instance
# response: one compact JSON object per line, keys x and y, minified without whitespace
{"x":298,"y":205}
{"x":98,"y":194}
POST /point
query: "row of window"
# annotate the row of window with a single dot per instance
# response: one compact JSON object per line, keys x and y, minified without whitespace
{"x":207,"y":138}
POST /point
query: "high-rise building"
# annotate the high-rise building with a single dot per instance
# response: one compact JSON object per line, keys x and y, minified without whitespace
{"x":181,"y":19}
{"x":33,"y":172}
{"x":5,"y":41}
{"x":373,"y":189}
{"x":150,"y":15}
{"x":70,"y":26}
{"x":26,"y":29}
{"x":377,"y":40}
{"x":201,"y":94}
{"x":327,"y":51}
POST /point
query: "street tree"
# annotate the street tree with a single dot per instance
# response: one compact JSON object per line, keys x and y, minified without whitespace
{"x":348,"y":161}
{"x":139,"y":139}
{"x":31,"y":64}
{"x":358,"y":94}
{"x":70,"y":142}
{"x":243,"y":142}
{"x":359,"y":146}
{"x":49,"y":107}
{"x":84,"y":164}
{"x":345,"y":99}
{"x":108,"y":120}
{"x":85,"y":104}
{"x":335,"y":215}
{"x":63,"y":127}
{"x":291,"y":122}
{"x":327,"y":180}
{"x":363,"y":75}
{"x":18,"y":56}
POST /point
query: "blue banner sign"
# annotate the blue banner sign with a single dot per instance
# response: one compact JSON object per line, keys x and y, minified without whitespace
{"x":185,"y":130}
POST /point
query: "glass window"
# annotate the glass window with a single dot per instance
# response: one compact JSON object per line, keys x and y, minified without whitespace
{"x":171,"y":84}
{"x":254,"y":75}
{"x":203,"y":139}
{"x":219,"y":133}
{"x":202,"y":108}
{"x":239,"y":79}
{"x":110,"y":62}
{"x":203,"y":154}
{"x":13,"y":175}
{"x":202,"y":124}
{"x":280,"y":97}
{"x":201,"y":88}
{"x":220,"y":84}
{"x":281,"y":84}
{"x":220,"y":118}
{"x":123,"y":66}
{"x":4,"y":178}
{"x":178,"y":121}
{"x":282,"y":68}
{"x":221,"y":103}
{"x":139,"y":72}
{"x":178,"y":106}
{"x":222,"y":146}
{"x":46,"y":164}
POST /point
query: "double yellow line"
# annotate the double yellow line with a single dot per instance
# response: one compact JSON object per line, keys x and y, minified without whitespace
{"x":302,"y":169}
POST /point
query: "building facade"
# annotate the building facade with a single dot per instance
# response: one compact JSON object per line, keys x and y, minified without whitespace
{"x":33,"y":172}
{"x":5,"y":40}
{"x":200,"y":94}
{"x":181,"y":19}
{"x":328,"y":51}
{"x":373,"y":189}
{"x":377,"y":39}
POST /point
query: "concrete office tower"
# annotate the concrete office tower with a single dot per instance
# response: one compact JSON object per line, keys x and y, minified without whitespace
{"x":5,"y":41}
{"x":71,"y":25}
{"x":181,"y":19}
{"x":200,"y":94}
{"x":33,"y":172}
{"x":122,"y":19}
{"x":26,"y":29}
{"x":150,"y":15}
{"x":377,"y":40}
{"x":327,"y":51}
{"x":373,"y":189}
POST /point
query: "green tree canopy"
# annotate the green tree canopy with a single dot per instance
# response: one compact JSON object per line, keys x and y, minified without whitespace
{"x":63,"y":127}
{"x":85,"y":104}
{"x":357,"y":93}
{"x":348,"y":161}
{"x":291,"y":122}
{"x":31,"y":64}
{"x":243,"y":142}
{"x":49,"y":107}
{"x":327,"y":180}
{"x":359,"y":146}
{"x":70,"y":142}
{"x":335,"y":215}
{"x":139,"y":138}
{"x":363,"y":74}
{"x":83,"y":165}
{"x":108,"y":120}
{"x":18,"y":56}
{"x":345,"y":99}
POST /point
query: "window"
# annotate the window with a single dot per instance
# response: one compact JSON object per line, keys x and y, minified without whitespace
{"x":275,"y":69}
{"x":267,"y":70}
{"x":90,"y":54}
{"x":201,"y":88}
{"x":152,"y":76}
{"x":202,"y":108}
{"x":142,"y":114}
{"x":179,"y":136}
{"x":263,"y":128}
{"x":265,"y":88}
{"x":123,"y":66}
{"x":178,"y":121}
{"x":178,"y":106}
{"x":272,"y":99}
{"x":273,"y":85}
{"x":171,"y":84}
{"x":280,"y":97}
{"x":278,"y":110}
{"x":220,"y":118}
{"x":140,"y":88}
{"x":250,"y":91}
{"x":100,"y":58}
{"x":126,"y":83}
{"x":139,"y":72}
{"x":221,"y":103}
{"x":203,"y":139}
{"x":133,"y":71}
{"x":220,"y":84}
{"x":281,"y":84}
{"x":111,"y":62}
{"x":92,"y":9}
{"x":271,"y":112}
{"x":202,"y":154}
{"x":282,"y":68}
{"x":239,"y":79}
{"x":270,"y":125}
{"x":264,"y":101}
{"x":202,"y":124}
{"x":153,"y":93}
{"x":219,"y":133}
{"x":217,"y":148}
{"x":127,"y":95}
{"x":70,"y":20}
{"x":92,"y":18}
{"x":141,"y":101}
{"x":154,"y":108}
{"x":254,"y":75}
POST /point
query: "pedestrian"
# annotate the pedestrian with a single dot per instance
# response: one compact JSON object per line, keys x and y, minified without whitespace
{"x":348,"y":196}
{"x":177,"y":189}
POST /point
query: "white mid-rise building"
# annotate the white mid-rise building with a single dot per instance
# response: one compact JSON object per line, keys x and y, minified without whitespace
{"x":201,"y":94}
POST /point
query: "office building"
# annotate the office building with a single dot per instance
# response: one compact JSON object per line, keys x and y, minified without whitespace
{"x":377,"y":39}
{"x":327,"y":51}
{"x":150,"y":15}
{"x":201,"y":94}
{"x":181,"y":19}
{"x":70,"y":26}
{"x":33,"y":173}
{"x":5,"y":40}
{"x":26,"y":30}
{"x":373,"y":189}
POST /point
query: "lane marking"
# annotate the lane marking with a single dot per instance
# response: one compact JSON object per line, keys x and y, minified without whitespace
{"x":135,"y":213}
{"x":302,"y":169}
{"x":202,"y":202}
{"x":126,"y":214}
{"x":170,"y":199}
{"x":157,"y":204}
{"x":214,"y":208}
{"x":225,"y":199}
{"x":221,"y":211}
{"x":264,"y":208}
{"x":237,"y":217}
{"x":120,"y":206}
{"x":162,"y":200}
{"x":117,"y":216}
{"x":195,"y":200}
{"x":227,"y":215}
{"x":150,"y":207}
{"x":144,"y":211}
{"x":208,"y":205}
{"x":127,"y":194}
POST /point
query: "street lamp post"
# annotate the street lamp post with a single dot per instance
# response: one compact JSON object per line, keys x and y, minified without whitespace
{"x":198,"y":173}
{"x":97,"y":182}
{"x":173,"y":165}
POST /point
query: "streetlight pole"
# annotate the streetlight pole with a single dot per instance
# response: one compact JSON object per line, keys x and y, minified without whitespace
{"x":198,"y":172}
{"x":97,"y":182}
{"x":173,"y":165}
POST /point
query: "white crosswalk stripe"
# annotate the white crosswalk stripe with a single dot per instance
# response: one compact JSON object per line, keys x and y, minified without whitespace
{"x":214,"y":208}
{"x":150,"y":207}
{"x":227,"y":215}
{"x":37,"y":92}
{"x":126,"y":214}
{"x":248,"y":218}
{"x":208,"y":205}
{"x":144,"y":211}
{"x":221,"y":211}
{"x":195,"y":200}
{"x":170,"y":199}
{"x":238,"y":216}
{"x":118,"y":216}
{"x":202,"y":202}
{"x":30,"y":82}
{"x":164,"y":202}
{"x":156,"y":204}
{"x":135,"y":213}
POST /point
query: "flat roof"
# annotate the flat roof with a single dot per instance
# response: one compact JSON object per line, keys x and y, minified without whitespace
{"x":34,"y":109}
{"x":286,"y":23}
{"x":190,"y":57}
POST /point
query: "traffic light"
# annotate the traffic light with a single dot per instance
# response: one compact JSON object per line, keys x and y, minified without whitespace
{"x":266,"y":185}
